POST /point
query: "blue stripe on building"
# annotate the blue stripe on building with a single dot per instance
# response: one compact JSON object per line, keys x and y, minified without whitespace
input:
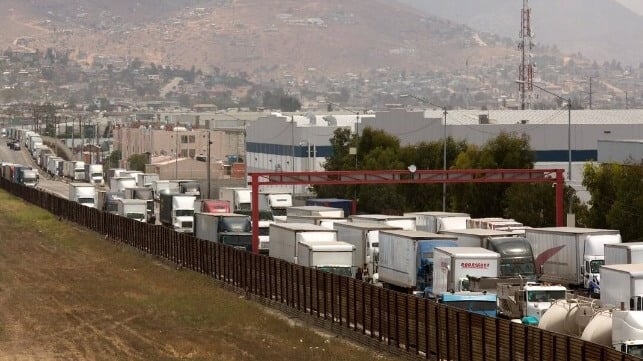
{"x":301,"y":151}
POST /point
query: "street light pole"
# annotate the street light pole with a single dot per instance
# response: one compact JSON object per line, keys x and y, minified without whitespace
{"x":444,"y":144}
{"x":444,"y":162}
{"x":569,"y":135}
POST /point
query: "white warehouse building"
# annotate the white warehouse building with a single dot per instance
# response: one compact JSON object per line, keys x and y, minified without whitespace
{"x":277,"y":143}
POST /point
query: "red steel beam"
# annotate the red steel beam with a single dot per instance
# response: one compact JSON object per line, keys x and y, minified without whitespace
{"x":451,"y":176}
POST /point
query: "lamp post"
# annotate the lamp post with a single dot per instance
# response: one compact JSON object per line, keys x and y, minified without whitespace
{"x":444,"y":144}
{"x":569,"y":133}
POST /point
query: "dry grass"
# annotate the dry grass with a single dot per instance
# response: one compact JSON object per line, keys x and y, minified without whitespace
{"x":68,"y":294}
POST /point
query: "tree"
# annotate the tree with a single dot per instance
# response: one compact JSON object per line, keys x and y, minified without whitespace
{"x":137,"y":162}
{"x":616,"y":198}
{"x":506,"y":151}
{"x":114,"y":159}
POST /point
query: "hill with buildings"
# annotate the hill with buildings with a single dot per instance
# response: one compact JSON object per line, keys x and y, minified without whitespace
{"x":603,"y":30}
{"x":266,"y":39}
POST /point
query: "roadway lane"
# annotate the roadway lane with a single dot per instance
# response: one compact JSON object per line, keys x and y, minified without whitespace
{"x":23,"y":157}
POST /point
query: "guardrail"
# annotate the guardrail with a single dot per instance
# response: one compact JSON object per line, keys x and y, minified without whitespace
{"x":406,"y":325}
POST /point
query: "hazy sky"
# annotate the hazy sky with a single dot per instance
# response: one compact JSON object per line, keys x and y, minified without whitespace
{"x":635,"y":5}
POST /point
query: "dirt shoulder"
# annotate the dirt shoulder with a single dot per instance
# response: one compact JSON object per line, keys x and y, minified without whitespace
{"x":69,"y":294}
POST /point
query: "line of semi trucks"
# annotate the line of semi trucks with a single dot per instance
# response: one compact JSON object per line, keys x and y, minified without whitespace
{"x":492,"y":266}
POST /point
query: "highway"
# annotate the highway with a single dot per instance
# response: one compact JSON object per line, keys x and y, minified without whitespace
{"x":23,"y":157}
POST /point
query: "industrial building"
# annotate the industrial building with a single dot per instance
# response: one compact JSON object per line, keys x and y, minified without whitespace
{"x":301,"y":143}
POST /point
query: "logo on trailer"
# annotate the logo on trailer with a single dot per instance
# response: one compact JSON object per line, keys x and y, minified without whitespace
{"x":474,"y":265}
{"x":545,"y":256}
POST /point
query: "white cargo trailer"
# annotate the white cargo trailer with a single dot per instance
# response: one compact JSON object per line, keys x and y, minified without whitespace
{"x":570,"y":255}
{"x":285,"y":237}
{"x":623,"y":281}
{"x":132,"y":208}
{"x":439,"y":221}
{"x":365,"y":237}
{"x":329,"y":256}
{"x":406,"y":259}
{"x":452,"y":265}
{"x":622,"y":253}
{"x":118,"y":184}
{"x":239,"y":198}
{"x":516,"y":256}
{"x":407,"y":223}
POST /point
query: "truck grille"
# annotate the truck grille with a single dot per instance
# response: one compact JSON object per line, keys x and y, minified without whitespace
{"x":186,"y":224}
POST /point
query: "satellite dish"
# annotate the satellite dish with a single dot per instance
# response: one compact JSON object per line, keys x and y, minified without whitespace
{"x":412,"y":168}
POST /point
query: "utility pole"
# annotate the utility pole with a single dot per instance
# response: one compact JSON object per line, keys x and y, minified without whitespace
{"x":209,"y":164}
{"x":590,"y":92}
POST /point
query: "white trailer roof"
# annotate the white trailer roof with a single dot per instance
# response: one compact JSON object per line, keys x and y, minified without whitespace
{"x":635,"y":270}
{"x":367,"y":225}
{"x":577,"y":230}
{"x":328,"y":245}
{"x":480,"y":232}
{"x":419,"y":234}
{"x":438,"y":214}
{"x":379,"y":217}
{"x":302,"y":227}
{"x":628,"y":245}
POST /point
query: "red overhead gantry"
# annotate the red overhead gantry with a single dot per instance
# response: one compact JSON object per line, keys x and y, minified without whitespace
{"x":404,"y":177}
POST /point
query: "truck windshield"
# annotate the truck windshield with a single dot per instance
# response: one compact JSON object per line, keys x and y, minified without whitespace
{"x":184,"y":212}
{"x":473,"y":306}
{"x":96,"y":175}
{"x":545,"y":296}
{"x":342,"y":271}
{"x":264,"y":231}
{"x":595,"y":265}
{"x":237,"y":240}
{"x":513,"y":269}
{"x":135,"y":215}
{"x":111,"y":207}
{"x":279,"y":211}
{"x":635,"y":350}
{"x":85,"y":200}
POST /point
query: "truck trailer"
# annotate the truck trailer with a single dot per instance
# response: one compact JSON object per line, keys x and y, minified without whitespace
{"x":570,"y":255}
{"x":285,"y":238}
{"x":407,"y":223}
{"x":453,"y":265}
{"x":406,"y":259}
{"x":345,"y":204}
{"x":623,"y":281}
{"x":437,"y":222}
{"x":328,"y":256}
{"x":135,"y":209}
{"x":622,"y":253}
{"x":118,"y":184}
{"x":319,"y":211}
{"x":327,"y":222}
{"x":365,"y":237}
{"x":240,"y":198}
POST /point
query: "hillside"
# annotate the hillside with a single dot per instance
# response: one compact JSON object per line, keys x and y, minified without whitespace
{"x":260,"y":37}
{"x":600,"y":29}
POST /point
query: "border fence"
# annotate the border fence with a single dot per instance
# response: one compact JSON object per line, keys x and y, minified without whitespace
{"x":406,"y":325}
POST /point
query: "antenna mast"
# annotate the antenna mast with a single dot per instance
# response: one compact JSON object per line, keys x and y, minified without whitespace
{"x":526,"y":69}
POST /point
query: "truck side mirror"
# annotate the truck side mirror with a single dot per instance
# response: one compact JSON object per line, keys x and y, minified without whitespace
{"x":582,"y":269}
